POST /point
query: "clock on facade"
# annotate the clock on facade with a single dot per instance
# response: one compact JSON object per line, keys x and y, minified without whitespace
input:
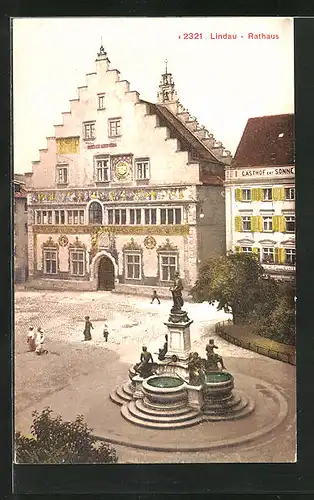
{"x":122,"y":170}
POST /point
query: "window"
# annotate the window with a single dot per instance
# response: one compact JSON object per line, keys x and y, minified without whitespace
{"x":38,"y":217}
{"x":142,"y":170}
{"x":135,"y":216}
{"x":246,"y":195}
{"x":267,"y":194}
{"x":70,"y":216}
{"x":50,"y":262}
{"x":268,"y":255}
{"x":290,"y":256}
{"x":62,"y":174}
{"x":44,"y":218}
{"x":95,"y":213}
{"x":75,"y":217}
{"x":101,"y":101}
{"x":247,"y":249}
{"x":77,"y":261}
{"x":289,"y":193}
{"x":170,"y":216}
{"x":102,"y":170}
{"x":59,"y":217}
{"x":25,"y":206}
{"x":267,"y":224}
{"x":49,"y":216}
{"x":110,"y":216}
{"x":150,"y":215}
{"x":290,"y":224}
{"x":114,"y":127}
{"x":133,"y":266}
{"x":89,"y":130}
{"x":82,"y":217}
{"x":120,"y":216}
{"x":246,"y":223}
{"x":168,"y":264}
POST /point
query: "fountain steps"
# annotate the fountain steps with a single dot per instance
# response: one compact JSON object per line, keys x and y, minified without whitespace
{"x":122,"y":394}
{"x":162,"y":411}
{"x":133,"y":415}
{"x":242,"y":408}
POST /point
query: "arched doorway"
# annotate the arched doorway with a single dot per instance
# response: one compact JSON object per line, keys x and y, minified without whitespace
{"x":105,"y":274}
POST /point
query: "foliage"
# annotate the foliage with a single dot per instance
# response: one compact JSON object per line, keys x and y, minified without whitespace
{"x":238,"y":283}
{"x":56,"y":442}
{"x":233,"y":281}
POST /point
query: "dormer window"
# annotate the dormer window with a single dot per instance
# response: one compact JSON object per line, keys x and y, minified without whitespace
{"x":89,"y":130}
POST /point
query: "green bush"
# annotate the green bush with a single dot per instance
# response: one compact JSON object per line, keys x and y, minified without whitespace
{"x":56,"y":442}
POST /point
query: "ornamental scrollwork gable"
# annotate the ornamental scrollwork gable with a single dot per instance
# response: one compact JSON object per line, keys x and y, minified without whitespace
{"x":132,"y":246}
{"x":50,"y":244}
{"x":167,"y":247}
{"x":77,"y":245}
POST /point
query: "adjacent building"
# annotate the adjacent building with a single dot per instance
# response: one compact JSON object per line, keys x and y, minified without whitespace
{"x":127,"y":191}
{"x":20,"y":237}
{"x":260,"y":194}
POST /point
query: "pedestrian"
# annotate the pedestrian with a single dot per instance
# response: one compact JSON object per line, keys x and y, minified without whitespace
{"x":105,"y":332}
{"x":155,"y":296}
{"x":40,"y":339}
{"x":87,"y":329}
{"x":31,"y":339}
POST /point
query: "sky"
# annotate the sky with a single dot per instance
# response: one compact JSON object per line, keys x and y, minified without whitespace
{"x":221,"y":82}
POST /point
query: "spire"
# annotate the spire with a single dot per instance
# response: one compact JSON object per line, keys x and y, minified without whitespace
{"x":166,"y":93}
{"x":102,"y":54}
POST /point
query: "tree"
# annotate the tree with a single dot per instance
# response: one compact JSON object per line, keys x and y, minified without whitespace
{"x":56,"y":442}
{"x":236,"y":281}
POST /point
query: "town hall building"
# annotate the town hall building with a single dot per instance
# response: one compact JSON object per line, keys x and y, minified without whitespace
{"x":127,"y":191}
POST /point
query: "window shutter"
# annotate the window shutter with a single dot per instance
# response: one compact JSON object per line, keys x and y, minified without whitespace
{"x":275,"y":223}
{"x":238,"y":194}
{"x":282,"y":255}
{"x":281,"y":193}
{"x":282,"y":223}
{"x":253,"y":224}
{"x":254,"y":194}
{"x":238,"y":223}
{"x":260,"y":194}
{"x":276,"y":255}
{"x":238,"y":249}
{"x":255,"y":250}
{"x":260,"y":223}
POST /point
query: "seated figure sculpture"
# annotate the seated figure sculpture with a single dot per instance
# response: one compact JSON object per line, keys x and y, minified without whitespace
{"x":212,"y":358}
{"x":164,"y":350}
{"x":146,"y":366}
{"x":196,"y":369}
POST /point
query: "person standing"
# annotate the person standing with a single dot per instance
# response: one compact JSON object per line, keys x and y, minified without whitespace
{"x":31,"y":339}
{"x":87,"y":329}
{"x":105,"y":332}
{"x":155,"y":297}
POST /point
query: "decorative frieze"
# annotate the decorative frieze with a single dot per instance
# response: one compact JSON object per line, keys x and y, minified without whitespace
{"x":181,"y":230}
{"x":133,"y":195}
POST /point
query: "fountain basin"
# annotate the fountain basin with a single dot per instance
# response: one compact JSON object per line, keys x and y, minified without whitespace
{"x":164,"y":389}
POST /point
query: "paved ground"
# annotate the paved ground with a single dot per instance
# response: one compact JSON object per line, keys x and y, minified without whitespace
{"x":74,"y":368}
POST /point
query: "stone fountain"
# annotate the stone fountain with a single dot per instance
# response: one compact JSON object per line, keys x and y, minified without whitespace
{"x":181,"y":389}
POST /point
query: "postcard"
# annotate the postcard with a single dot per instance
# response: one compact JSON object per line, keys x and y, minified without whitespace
{"x":154,"y":240}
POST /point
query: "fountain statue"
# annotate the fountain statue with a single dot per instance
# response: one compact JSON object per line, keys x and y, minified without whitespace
{"x":212,"y":358}
{"x":176,"y":290}
{"x":164,"y":350}
{"x":146,"y":367}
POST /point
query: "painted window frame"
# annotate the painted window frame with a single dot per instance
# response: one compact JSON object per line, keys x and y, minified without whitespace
{"x":73,"y":252}
{"x":139,"y":164}
{"x":103,"y":168}
{"x":165,"y":254}
{"x":117,"y":131}
{"x":89,"y":129}
{"x":133,"y":253}
{"x":55,"y":252}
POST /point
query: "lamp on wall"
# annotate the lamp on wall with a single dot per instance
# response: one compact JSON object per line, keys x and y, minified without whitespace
{"x":201,"y":213}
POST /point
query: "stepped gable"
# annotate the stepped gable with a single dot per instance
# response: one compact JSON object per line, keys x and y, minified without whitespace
{"x":266,"y":141}
{"x":183,"y":134}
